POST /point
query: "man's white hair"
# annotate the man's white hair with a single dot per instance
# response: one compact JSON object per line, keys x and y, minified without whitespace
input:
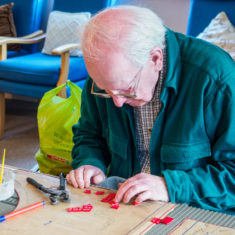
{"x":133,"y":30}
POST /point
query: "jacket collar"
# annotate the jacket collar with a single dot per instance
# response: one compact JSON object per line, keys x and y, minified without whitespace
{"x":173,"y":62}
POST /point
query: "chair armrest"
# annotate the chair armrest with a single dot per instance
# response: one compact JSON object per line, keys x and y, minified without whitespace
{"x":64,"y":67}
{"x":21,"y":40}
{"x":35,"y":34}
{"x":65,"y":48}
{"x":36,"y":37}
{"x":32,"y":35}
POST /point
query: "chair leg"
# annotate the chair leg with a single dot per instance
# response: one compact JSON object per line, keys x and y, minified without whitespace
{"x":2,"y":114}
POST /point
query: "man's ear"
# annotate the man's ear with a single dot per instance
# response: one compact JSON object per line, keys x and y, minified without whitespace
{"x":157,"y":58}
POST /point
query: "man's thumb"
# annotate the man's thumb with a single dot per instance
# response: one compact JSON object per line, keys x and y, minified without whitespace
{"x":98,"y":179}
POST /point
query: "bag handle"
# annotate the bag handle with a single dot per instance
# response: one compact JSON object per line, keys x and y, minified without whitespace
{"x":74,"y":90}
{"x":53,"y":92}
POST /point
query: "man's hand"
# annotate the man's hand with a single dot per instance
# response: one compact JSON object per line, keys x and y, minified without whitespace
{"x":84,"y":176}
{"x":145,"y":187}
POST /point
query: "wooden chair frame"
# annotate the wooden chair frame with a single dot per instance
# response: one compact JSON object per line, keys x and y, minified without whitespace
{"x":38,"y":36}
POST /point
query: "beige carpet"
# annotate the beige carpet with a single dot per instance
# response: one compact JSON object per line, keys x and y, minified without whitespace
{"x":21,"y":134}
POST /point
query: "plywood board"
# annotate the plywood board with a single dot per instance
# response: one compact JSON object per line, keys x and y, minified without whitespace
{"x":54,"y":219}
{"x":128,"y":219}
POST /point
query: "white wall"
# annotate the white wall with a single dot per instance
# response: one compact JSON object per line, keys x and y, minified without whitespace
{"x":174,"y":13}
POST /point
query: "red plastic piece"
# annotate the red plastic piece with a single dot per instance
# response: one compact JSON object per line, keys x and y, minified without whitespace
{"x":87,"y":208}
{"x":136,"y":203}
{"x":109,"y":198}
{"x":167,"y":220}
{"x":70,"y":210}
{"x":114,"y":205}
{"x":84,"y":208}
{"x":99,"y":193}
{"x":156,"y":220}
{"x":88,"y":191}
{"x":77,"y":209}
{"x":74,"y":209}
{"x":112,"y":202}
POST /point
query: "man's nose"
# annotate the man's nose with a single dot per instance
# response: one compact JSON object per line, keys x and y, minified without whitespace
{"x":118,"y":100}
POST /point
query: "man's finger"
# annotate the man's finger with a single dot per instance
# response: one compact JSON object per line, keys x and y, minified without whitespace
{"x":87,"y":174}
{"x":123,"y":188}
{"x":146,"y":195}
{"x":71,"y":179}
{"x":79,"y":177}
{"x":68,"y":178}
{"x":134,"y":191}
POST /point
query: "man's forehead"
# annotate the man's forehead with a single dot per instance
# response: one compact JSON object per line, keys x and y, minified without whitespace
{"x":114,"y":71}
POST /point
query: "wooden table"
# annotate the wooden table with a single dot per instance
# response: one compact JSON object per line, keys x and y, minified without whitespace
{"x":54,"y":219}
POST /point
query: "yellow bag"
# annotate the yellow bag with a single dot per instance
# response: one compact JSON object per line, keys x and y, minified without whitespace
{"x":56,"y":116}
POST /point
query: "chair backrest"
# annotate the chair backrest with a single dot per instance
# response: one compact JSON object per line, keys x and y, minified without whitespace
{"x":203,"y":11}
{"x":92,"y":6}
{"x":27,"y":17}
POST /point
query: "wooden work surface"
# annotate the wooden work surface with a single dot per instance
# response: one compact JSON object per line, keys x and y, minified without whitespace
{"x":54,"y":219}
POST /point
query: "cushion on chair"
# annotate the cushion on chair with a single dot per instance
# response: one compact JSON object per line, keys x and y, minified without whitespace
{"x":27,"y":69}
{"x":30,"y":90}
{"x":7,"y":25}
{"x":64,"y":28}
{"x":16,"y":53}
{"x":221,"y":33}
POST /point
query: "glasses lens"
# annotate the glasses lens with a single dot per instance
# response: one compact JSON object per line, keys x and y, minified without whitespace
{"x":102,"y":93}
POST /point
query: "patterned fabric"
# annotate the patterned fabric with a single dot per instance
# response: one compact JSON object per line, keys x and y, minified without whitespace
{"x":220,"y":32}
{"x":144,"y":119}
{"x":64,"y":28}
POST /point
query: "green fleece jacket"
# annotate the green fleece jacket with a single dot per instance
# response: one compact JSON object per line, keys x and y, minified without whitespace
{"x":193,"y":138}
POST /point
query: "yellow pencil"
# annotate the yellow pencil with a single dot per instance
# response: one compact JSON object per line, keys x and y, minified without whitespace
{"x":3,"y":161}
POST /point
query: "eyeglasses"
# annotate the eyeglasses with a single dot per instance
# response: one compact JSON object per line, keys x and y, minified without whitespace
{"x":102,"y":93}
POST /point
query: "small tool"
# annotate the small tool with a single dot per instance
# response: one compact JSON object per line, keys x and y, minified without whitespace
{"x":54,"y":194}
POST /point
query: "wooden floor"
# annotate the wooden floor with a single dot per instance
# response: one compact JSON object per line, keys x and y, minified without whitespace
{"x":21,"y":134}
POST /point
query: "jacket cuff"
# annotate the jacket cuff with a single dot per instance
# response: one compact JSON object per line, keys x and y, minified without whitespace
{"x":179,"y":186}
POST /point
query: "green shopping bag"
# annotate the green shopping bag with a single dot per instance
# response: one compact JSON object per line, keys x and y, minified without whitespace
{"x":56,"y":116}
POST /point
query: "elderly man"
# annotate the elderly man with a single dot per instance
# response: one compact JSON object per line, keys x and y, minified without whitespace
{"x":158,"y":110}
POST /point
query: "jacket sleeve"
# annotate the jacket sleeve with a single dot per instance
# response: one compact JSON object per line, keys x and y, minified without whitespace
{"x":211,"y":186}
{"x":89,"y":146}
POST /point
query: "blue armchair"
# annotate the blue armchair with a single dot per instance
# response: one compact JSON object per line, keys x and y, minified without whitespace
{"x":203,"y":11}
{"x":34,"y":74}
{"x":27,"y":17}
